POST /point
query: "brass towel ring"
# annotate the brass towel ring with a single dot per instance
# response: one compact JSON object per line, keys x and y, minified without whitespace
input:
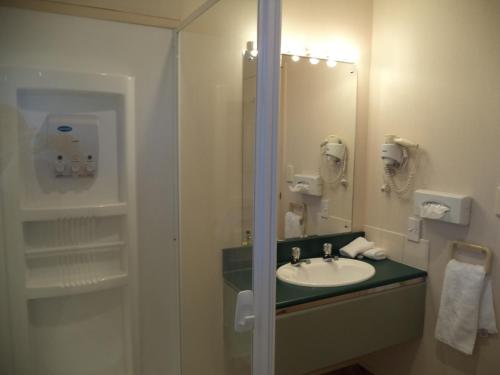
{"x":475,"y":248}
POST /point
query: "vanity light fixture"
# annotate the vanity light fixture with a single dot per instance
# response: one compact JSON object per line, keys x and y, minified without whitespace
{"x":331,"y":63}
{"x":296,"y":54}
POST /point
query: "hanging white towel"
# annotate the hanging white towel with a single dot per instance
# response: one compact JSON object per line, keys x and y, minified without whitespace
{"x":358,"y":246}
{"x":487,"y":319}
{"x":294,"y":225}
{"x":458,"y":318}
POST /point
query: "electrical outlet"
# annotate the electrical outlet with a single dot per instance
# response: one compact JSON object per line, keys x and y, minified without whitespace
{"x":325,"y":205}
{"x":290,"y":173}
{"x":414,"y":228}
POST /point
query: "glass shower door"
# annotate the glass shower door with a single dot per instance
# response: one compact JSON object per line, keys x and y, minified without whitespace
{"x":228,"y":116}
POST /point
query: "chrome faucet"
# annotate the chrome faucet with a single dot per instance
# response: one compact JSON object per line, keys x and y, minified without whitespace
{"x":296,"y":261}
{"x":327,"y":252}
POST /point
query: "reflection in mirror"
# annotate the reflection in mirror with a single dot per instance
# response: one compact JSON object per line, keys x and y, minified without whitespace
{"x":316,"y":150}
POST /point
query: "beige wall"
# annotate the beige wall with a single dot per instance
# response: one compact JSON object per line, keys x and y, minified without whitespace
{"x":318,"y":23}
{"x":211,"y":91}
{"x":435,"y":79}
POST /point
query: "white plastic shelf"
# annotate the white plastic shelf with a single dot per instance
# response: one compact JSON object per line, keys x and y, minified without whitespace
{"x":75,"y":249}
{"x":76,"y":269}
{"x":36,"y":290}
{"x":45,"y":214}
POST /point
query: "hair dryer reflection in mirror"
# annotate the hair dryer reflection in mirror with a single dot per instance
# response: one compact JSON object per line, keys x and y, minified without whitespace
{"x":400,"y":159}
{"x":333,"y":164}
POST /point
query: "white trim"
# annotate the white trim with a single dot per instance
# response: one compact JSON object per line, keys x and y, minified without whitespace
{"x":266,"y":142}
{"x":175,"y":197}
{"x":178,"y":150}
{"x":196,"y":13}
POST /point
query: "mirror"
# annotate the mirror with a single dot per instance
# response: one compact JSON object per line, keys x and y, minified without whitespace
{"x":316,"y":146}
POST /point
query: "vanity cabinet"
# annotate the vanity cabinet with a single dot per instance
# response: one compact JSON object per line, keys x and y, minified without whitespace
{"x":324,"y":333}
{"x":311,"y":338}
{"x":321,"y":327}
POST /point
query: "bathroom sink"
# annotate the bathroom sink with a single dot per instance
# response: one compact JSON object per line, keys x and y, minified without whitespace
{"x":319,"y":273}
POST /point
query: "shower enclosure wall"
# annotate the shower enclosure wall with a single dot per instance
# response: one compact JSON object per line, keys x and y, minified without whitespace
{"x":89,"y":267}
{"x":212,"y":52}
{"x":211,"y":165}
{"x":104,"y":259}
{"x":70,"y":219}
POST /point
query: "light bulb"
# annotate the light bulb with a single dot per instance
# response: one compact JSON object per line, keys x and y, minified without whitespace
{"x":331,"y":63}
{"x":313,"y":60}
{"x":254,"y":53}
{"x":295,"y":58}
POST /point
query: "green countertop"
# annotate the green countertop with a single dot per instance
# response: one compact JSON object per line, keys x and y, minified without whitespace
{"x":386,"y":272}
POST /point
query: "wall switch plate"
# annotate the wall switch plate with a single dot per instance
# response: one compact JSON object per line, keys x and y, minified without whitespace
{"x":290,"y":172}
{"x":325,"y":208}
{"x":414,"y":228}
{"x":497,"y":202}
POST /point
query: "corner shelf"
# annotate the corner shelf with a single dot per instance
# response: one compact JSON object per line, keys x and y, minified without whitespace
{"x":45,"y":214}
{"x":37,"y":291}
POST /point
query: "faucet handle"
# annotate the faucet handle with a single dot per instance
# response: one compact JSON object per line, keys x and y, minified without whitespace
{"x":327,"y":250}
{"x":295,"y":255}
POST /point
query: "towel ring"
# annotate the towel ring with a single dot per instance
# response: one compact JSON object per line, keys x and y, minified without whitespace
{"x":475,"y":248}
{"x":299,"y":209}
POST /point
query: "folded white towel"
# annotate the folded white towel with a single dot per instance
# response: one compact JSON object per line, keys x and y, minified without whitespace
{"x":294,"y":225}
{"x":376,"y":253}
{"x":458,"y":318}
{"x":358,"y":246}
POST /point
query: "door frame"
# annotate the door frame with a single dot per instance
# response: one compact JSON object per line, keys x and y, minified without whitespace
{"x":266,"y":191}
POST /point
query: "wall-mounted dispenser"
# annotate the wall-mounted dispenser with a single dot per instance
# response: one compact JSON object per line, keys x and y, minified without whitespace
{"x":73,"y":144}
{"x":448,"y":207}
{"x":307,"y":184}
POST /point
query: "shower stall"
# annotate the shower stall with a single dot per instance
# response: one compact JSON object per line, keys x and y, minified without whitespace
{"x":120,"y":185}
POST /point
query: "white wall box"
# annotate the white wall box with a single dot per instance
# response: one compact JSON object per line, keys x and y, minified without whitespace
{"x":307,"y":184}
{"x":456,"y":207}
{"x":71,"y":235}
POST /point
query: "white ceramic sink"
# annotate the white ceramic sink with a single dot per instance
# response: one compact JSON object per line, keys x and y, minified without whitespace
{"x":319,"y":273}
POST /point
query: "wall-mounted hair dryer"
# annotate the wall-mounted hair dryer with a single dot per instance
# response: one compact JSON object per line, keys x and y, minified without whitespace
{"x":395,"y":155}
{"x":333,"y":148}
{"x":335,"y":152}
{"x":395,"y":150}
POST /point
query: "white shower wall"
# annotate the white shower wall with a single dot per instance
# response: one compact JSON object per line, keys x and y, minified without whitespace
{"x":57,"y":42}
